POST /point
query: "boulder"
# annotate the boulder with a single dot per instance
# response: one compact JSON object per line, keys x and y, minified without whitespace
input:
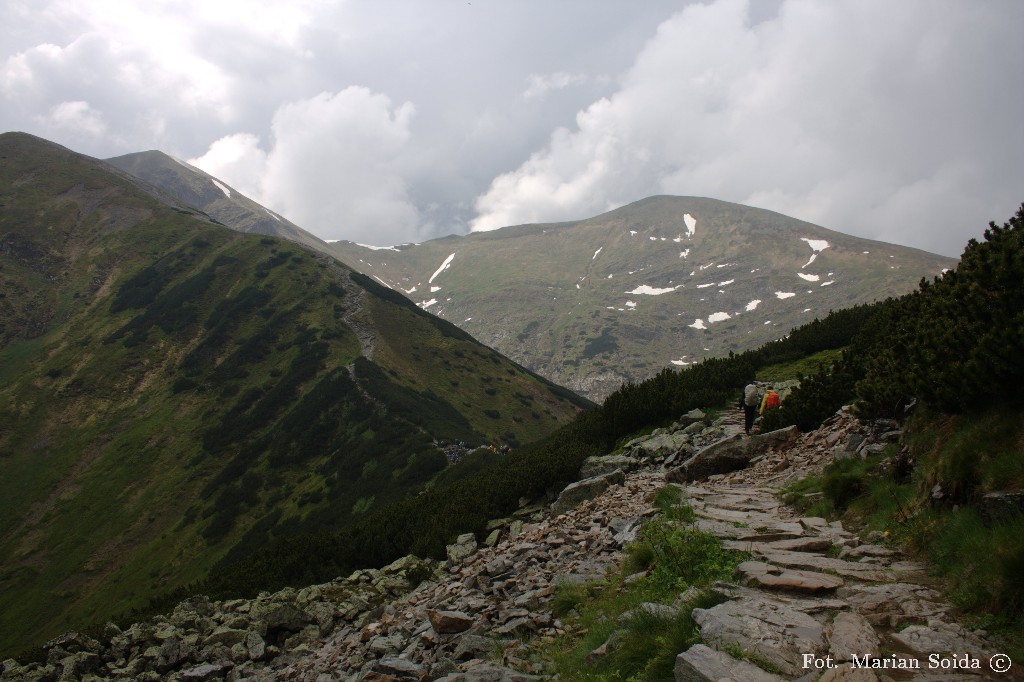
{"x":473,"y":646}
{"x":660,"y":446}
{"x":730,"y":454}
{"x":852,"y":635}
{"x":399,"y":668}
{"x":701,"y":663}
{"x":597,"y":466}
{"x":207,"y":671}
{"x":763,"y":626}
{"x":587,"y":489}
{"x":464,"y":547}
{"x":449,"y":622}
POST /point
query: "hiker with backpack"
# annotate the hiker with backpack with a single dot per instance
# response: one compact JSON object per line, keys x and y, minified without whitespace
{"x":772,"y":400}
{"x":749,"y":402}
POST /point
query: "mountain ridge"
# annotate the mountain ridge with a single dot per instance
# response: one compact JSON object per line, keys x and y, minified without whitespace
{"x":512,"y":287}
{"x":172,"y":391}
{"x":662,"y":282}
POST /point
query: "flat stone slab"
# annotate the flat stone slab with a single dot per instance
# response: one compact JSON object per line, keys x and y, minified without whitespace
{"x":701,"y":663}
{"x":762,"y":626}
{"x":852,"y":635}
{"x":806,"y":604}
{"x":793,"y":580}
{"x":939,"y":637}
{"x":802,"y":544}
{"x":894,"y":598}
{"x":815,"y":562}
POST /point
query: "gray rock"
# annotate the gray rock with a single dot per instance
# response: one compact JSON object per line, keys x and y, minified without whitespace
{"x":225,"y":636}
{"x":790,"y":580}
{"x":701,"y":663}
{"x":473,"y":646}
{"x":660,"y":446}
{"x":207,"y":671}
{"x":693,"y":416}
{"x":730,"y":454}
{"x":400,"y":668}
{"x":766,"y":627}
{"x":597,"y":466}
{"x":464,"y":547}
{"x":852,"y":635}
{"x":576,"y":493}
{"x":492,"y":539}
{"x":449,"y":622}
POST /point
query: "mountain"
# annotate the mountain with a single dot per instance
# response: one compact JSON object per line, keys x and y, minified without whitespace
{"x":663,"y":282}
{"x":220,"y":201}
{"x":173,"y":392}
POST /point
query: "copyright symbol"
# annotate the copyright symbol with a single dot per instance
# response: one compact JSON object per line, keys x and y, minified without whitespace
{"x":1000,"y":663}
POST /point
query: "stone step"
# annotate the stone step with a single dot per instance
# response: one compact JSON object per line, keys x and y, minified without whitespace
{"x":801,"y":544}
{"x":788,"y":579}
{"x":763,"y":627}
{"x":815,"y":562}
{"x":701,"y":663}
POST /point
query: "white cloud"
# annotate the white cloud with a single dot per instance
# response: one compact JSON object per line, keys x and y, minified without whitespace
{"x":334,"y":166}
{"x":237,"y":159}
{"x":539,"y":85}
{"x":867,"y":117}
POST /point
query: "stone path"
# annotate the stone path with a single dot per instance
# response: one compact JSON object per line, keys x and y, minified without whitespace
{"x":814,"y":599}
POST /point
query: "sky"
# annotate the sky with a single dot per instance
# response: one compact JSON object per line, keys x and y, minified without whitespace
{"x":395,"y":121}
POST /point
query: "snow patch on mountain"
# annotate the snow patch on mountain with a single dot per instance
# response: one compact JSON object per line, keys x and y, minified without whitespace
{"x":817,"y":246}
{"x":697,"y":324}
{"x":648,"y":290}
{"x":444,"y":266}
{"x":753,"y":304}
{"x":222,"y":188}
{"x":718,"y":317}
{"x":427,"y":304}
{"x":595,"y":253}
{"x":784,"y":294}
{"x":691,"y":224}
{"x":809,"y":278}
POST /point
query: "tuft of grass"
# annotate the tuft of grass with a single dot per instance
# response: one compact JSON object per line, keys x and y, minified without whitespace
{"x":642,"y":644}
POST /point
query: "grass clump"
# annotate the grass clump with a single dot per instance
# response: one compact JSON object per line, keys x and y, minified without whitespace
{"x":621,"y":629}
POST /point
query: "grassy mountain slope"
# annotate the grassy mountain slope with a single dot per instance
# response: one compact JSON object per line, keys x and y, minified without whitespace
{"x":664,"y":281}
{"x":171,"y":391}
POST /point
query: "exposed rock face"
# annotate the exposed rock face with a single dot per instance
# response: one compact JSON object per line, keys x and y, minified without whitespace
{"x":418,"y":620}
{"x":730,"y":454}
{"x":587,"y":489}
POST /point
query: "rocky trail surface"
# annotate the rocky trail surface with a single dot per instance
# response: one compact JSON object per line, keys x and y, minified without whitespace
{"x":813,"y":599}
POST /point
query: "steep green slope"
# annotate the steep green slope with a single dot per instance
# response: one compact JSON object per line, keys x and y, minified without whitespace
{"x":662,"y":282}
{"x":171,"y":390}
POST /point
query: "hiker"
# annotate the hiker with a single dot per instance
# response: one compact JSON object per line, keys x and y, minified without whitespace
{"x":771,"y":401}
{"x":749,"y":402}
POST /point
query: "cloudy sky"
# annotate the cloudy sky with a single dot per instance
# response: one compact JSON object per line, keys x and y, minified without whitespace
{"x":394,"y":121}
